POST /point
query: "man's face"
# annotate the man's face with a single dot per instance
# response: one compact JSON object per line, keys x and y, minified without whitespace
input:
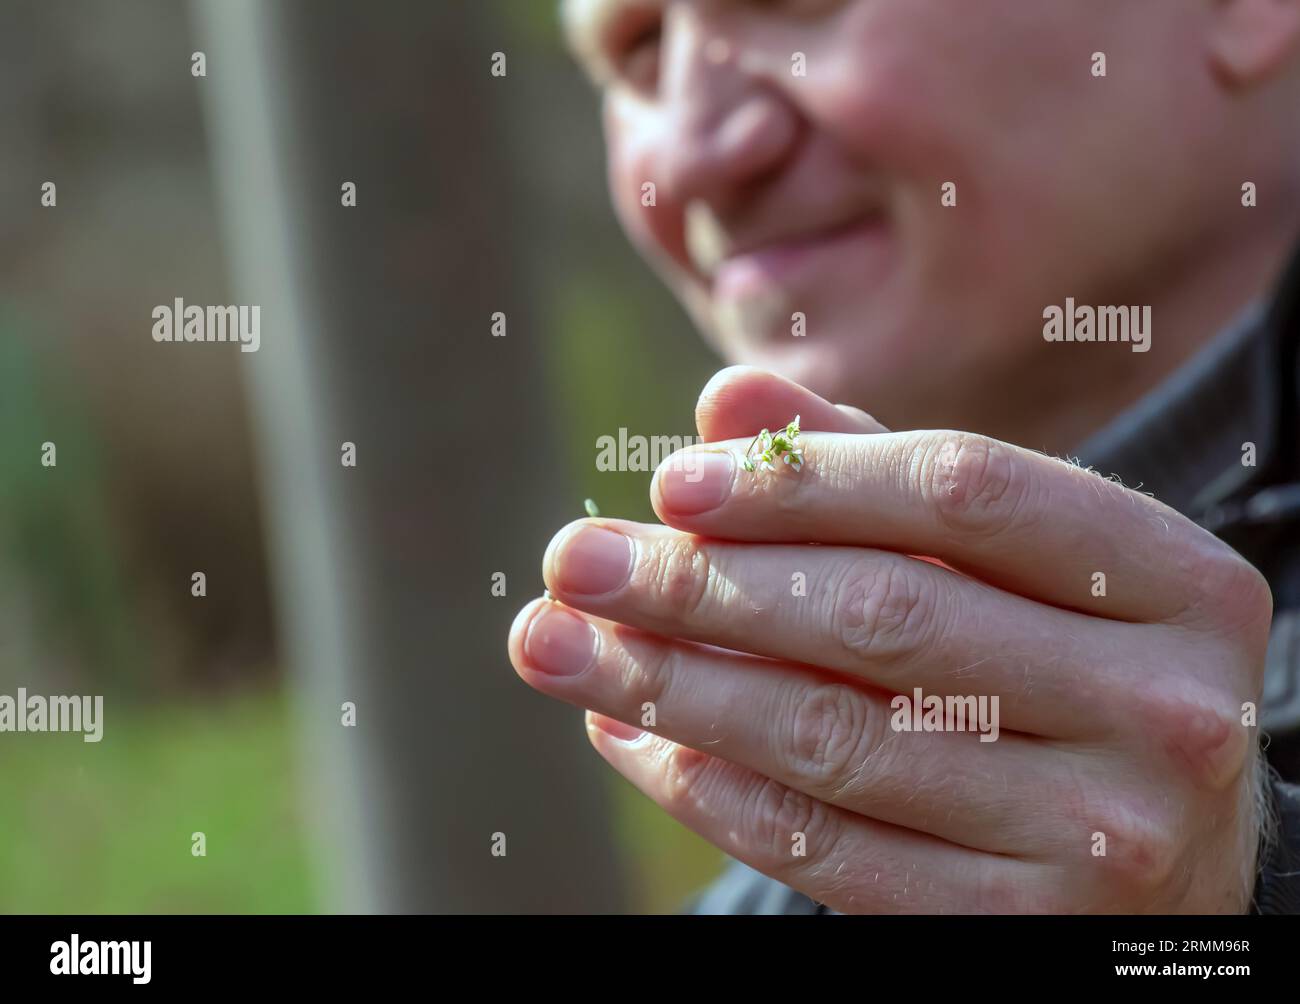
{"x":799,"y":152}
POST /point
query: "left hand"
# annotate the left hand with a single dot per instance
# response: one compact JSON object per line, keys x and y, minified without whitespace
{"x":1122,"y":776}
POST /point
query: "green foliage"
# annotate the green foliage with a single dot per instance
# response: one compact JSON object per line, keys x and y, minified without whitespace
{"x":784,"y":445}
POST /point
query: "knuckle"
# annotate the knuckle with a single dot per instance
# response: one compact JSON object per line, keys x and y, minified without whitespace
{"x":778,"y":813}
{"x":974,"y":483}
{"x":685,"y":773}
{"x":1231,"y":592}
{"x":880,"y":610}
{"x":1205,"y":740}
{"x":1142,"y":850}
{"x":833,"y":734}
{"x":647,"y":670}
{"x":678,"y":575}
{"x":1252,"y":589}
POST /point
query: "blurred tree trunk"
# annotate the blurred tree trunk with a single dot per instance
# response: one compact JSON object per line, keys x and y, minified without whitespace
{"x":376,"y":331}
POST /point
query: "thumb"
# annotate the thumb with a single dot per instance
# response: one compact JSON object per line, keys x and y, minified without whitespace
{"x":740,"y":400}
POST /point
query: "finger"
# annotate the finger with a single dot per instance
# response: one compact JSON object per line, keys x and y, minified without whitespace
{"x":850,"y":863}
{"x":891,"y":620}
{"x":1017,"y":519}
{"x":740,"y":400}
{"x":809,"y":730}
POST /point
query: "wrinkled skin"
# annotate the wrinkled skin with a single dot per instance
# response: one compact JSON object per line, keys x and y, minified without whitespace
{"x":770,"y":621}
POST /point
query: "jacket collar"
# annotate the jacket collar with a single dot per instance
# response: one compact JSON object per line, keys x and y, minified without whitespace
{"x":1185,"y":442}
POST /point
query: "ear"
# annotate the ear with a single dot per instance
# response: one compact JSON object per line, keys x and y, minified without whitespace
{"x":1253,"y":40}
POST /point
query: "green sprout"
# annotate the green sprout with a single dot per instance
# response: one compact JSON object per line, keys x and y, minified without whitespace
{"x":784,"y":444}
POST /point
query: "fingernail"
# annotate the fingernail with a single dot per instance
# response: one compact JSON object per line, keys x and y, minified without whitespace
{"x":559,"y":642}
{"x":594,"y":560}
{"x":696,"y":481}
{"x":619,"y":730}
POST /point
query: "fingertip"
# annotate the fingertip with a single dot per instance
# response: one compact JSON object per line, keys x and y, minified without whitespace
{"x":726,"y":375}
{"x":561,"y":535}
{"x":718,"y":398}
{"x":603,"y":727}
{"x":741,"y":400}
{"x":519,"y":631}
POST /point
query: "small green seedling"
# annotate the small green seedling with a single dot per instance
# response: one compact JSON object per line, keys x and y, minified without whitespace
{"x":784,"y":444}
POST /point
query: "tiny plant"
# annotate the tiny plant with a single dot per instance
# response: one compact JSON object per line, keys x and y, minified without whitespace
{"x":784,"y":444}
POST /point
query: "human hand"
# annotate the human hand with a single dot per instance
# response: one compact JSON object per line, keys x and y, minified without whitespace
{"x":1122,"y":776}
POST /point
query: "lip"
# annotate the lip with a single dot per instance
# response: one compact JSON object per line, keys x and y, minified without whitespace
{"x":784,"y":264}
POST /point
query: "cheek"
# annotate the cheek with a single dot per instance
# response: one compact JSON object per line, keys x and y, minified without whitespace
{"x":920,"y":102}
{"x":632,"y":138}
{"x":883,"y":87}
{"x":626,"y":165}
{"x":925,"y":92}
{"x":898,"y":117}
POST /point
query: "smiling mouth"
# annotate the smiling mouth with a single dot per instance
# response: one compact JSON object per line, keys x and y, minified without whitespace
{"x":781,"y":264}
{"x":708,"y":244}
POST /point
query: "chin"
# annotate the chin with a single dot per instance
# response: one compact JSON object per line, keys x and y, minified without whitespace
{"x":852,"y":353}
{"x":848,"y":345}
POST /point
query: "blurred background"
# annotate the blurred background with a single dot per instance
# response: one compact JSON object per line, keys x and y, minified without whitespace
{"x":475,"y":194}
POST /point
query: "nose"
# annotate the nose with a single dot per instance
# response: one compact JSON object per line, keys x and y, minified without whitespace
{"x":727,"y":122}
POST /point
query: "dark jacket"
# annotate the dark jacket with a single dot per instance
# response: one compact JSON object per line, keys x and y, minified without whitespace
{"x":1184,"y":443}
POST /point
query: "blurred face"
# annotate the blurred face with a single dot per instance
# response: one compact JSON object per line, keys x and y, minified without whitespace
{"x":798,"y":153}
